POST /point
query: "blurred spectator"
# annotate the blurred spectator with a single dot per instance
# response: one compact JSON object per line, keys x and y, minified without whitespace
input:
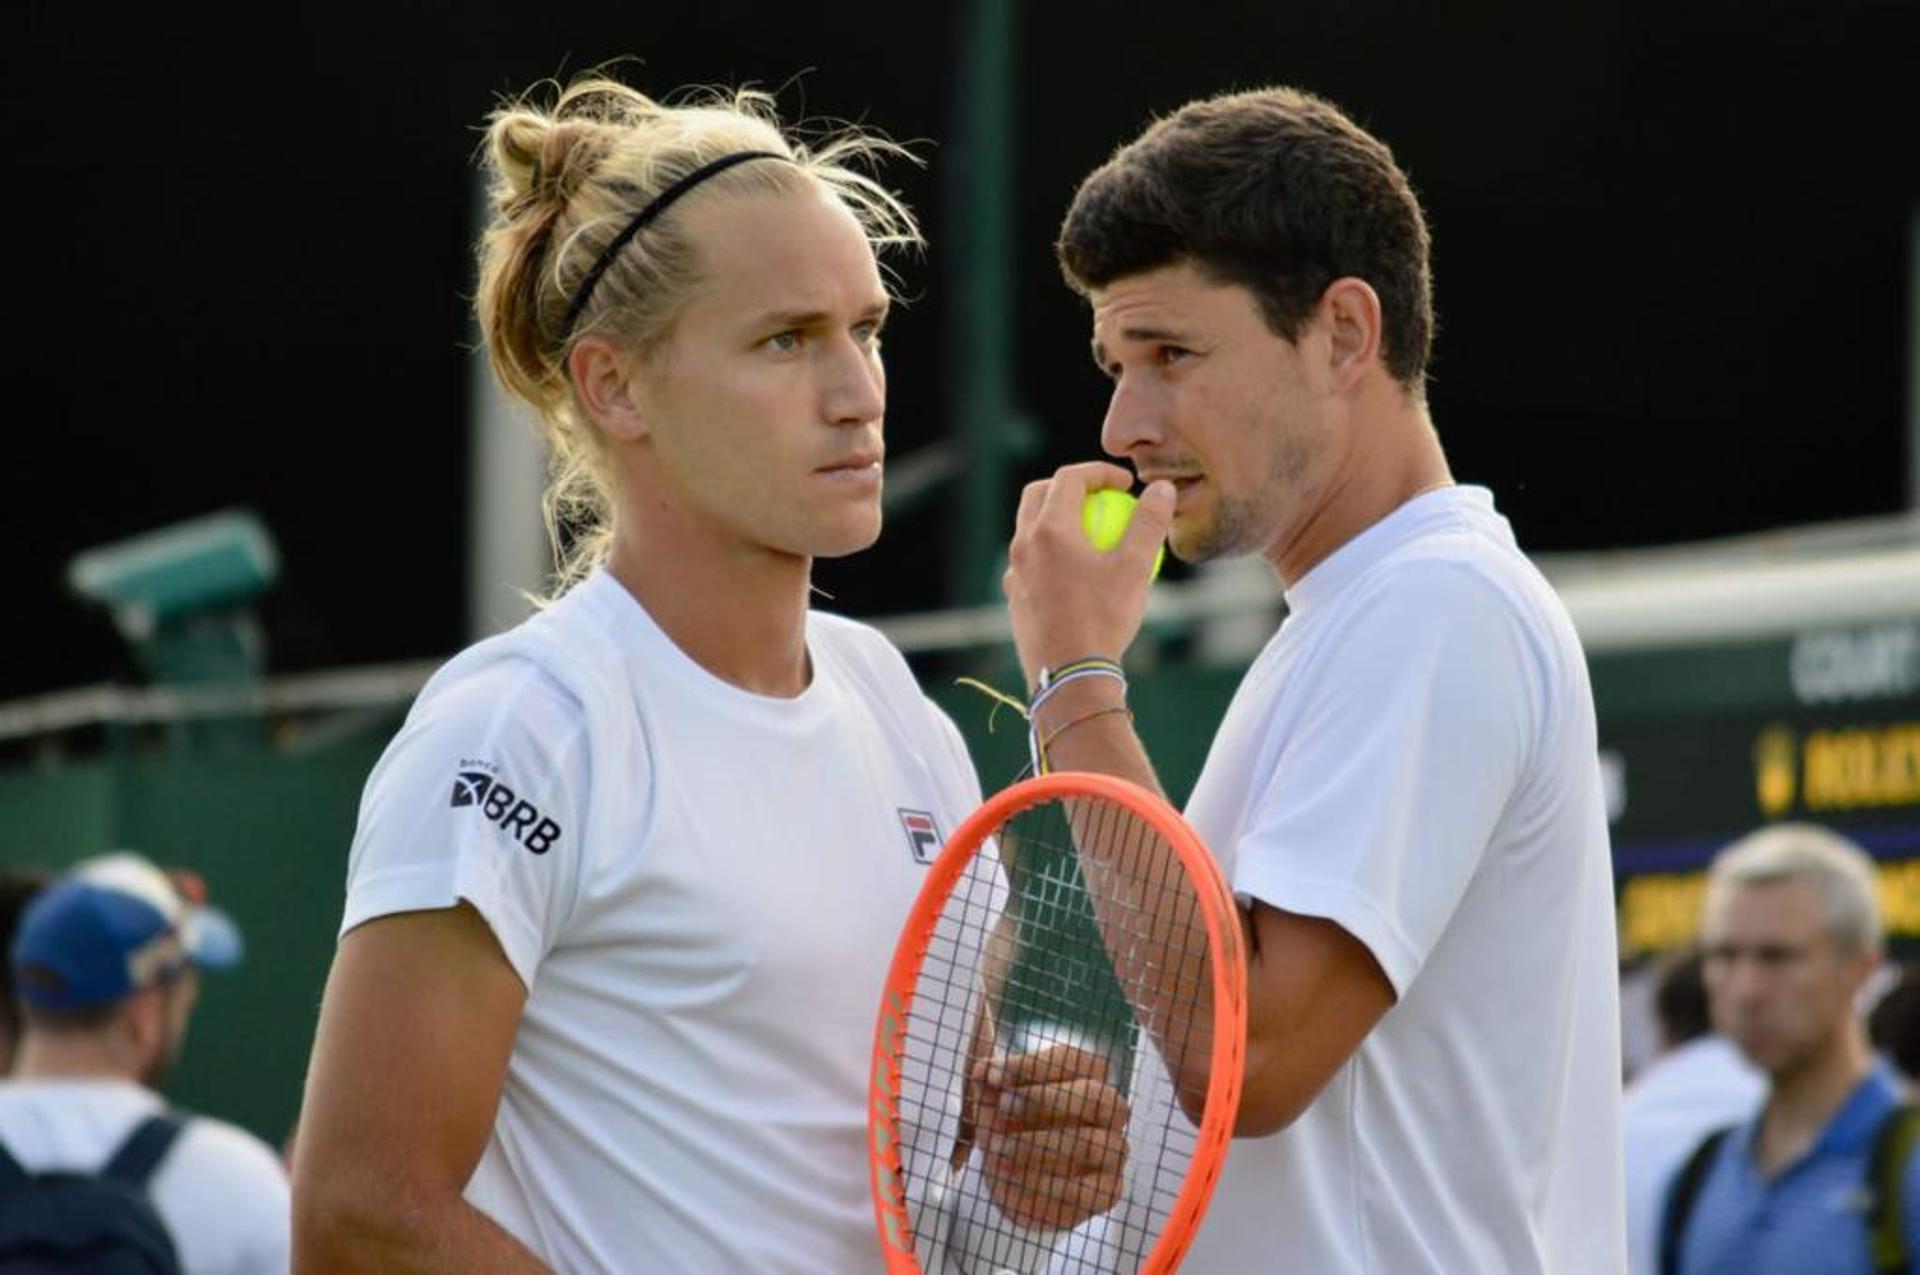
{"x":1893,"y":1027}
{"x":17,"y":888}
{"x":1823,"y":1178}
{"x":1696,"y":1083}
{"x":106,"y":965}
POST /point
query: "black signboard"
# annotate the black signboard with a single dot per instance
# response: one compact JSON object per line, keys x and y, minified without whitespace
{"x":1702,"y":744}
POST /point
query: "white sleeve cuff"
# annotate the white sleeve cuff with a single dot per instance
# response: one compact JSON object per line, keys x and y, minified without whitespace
{"x":1341,"y":903}
{"x":428,"y":887}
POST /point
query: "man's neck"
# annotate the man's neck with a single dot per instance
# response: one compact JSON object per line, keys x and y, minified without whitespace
{"x":1397,"y":457}
{"x":738,"y":611}
{"x":76,"y":1057}
{"x":1803,"y":1100}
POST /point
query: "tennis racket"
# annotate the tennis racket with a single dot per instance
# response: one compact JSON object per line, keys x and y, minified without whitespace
{"x":1077,"y":917}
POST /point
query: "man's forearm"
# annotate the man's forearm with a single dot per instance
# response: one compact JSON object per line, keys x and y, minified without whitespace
{"x":1152,"y":944}
{"x":446,"y":1235}
{"x":1079,"y":733}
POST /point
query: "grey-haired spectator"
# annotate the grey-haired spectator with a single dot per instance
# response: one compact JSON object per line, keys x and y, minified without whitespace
{"x":1823,"y":1178}
{"x":106,"y":963}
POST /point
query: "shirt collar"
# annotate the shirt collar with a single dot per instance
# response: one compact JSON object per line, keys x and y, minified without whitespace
{"x":1852,"y":1127}
{"x":1418,"y":516}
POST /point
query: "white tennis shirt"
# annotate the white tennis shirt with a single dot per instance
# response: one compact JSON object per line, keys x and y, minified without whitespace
{"x":1413,"y":757}
{"x":701,"y":889}
{"x":221,"y":1191}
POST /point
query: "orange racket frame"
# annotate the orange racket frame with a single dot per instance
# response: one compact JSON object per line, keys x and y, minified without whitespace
{"x":1226,"y":953}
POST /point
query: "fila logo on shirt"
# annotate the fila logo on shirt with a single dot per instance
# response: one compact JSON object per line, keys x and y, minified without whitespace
{"x":923,"y":835}
{"x":518,"y":818}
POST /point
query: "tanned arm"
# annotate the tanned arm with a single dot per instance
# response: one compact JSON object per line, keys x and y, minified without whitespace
{"x":415,"y":1031}
{"x":1314,"y":991}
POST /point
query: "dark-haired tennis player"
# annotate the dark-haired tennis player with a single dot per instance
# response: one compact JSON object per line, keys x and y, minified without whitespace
{"x":1405,"y":789}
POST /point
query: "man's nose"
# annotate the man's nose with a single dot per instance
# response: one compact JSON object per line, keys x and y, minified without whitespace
{"x":1136,"y":417}
{"x":855,"y":389}
{"x":1740,"y":981}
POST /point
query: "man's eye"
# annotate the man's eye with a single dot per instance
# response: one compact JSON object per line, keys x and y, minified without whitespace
{"x":785,"y":342}
{"x":1173,"y":354}
{"x":867,"y":333}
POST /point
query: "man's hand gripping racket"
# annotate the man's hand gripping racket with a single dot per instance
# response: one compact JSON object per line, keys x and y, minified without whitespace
{"x":1074,"y":940}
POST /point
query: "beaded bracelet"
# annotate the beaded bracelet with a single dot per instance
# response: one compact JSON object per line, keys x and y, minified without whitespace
{"x":1052,"y":679}
{"x":1050,"y":676}
{"x":1080,"y":676}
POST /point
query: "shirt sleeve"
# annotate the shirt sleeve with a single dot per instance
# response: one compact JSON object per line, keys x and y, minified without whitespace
{"x":1414,"y":727}
{"x":483,"y":797}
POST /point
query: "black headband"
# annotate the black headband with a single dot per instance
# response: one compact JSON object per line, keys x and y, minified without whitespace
{"x":659,"y":204}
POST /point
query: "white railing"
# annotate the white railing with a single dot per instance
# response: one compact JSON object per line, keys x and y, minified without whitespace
{"x":1767,"y":585}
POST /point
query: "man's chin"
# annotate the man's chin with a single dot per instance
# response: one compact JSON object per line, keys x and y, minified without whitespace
{"x":845,"y":546}
{"x":1195,"y":544}
{"x":1763,"y":1052}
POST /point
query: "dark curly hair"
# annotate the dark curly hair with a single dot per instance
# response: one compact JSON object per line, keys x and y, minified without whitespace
{"x":1275,"y":190}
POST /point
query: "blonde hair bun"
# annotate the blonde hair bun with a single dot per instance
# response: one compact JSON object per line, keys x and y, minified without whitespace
{"x":564,"y":180}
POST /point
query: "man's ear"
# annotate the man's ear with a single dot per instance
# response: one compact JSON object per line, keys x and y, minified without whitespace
{"x":605,"y":387}
{"x":1863,"y":966}
{"x":144,"y":1019}
{"x":1351,"y":310}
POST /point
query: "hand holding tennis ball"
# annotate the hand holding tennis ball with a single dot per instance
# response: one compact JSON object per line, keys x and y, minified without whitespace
{"x":1062,"y":605}
{"x":1105,"y":516}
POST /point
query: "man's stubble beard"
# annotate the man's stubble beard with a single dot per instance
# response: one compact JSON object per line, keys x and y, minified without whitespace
{"x":1244,"y":525}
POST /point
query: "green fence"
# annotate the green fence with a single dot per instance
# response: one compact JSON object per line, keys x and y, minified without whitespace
{"x":269,"y":832}
{"x":1702,"y":743}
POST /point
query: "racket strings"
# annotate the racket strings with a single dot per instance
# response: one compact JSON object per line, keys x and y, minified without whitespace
{"x":1027,"y":958}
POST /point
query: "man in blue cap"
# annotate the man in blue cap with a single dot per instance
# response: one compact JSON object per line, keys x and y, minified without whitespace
{"x":106,"y":966}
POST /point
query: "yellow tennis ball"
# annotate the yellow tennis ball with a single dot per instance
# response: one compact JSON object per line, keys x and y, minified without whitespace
{"x":1104,"y":517}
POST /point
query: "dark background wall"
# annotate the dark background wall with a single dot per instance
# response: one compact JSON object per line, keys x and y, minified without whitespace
{"x":1672,"y":248}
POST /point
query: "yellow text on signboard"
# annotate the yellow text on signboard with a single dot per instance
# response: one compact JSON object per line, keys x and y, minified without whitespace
{"x":1862,"y":766}
{"x":1661,"y":910}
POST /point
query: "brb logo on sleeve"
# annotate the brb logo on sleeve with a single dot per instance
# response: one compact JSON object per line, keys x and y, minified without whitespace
{"x":519,"y":818}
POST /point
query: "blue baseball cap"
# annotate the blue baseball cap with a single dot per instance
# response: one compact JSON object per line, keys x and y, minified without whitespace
{"x":112,"y":926}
